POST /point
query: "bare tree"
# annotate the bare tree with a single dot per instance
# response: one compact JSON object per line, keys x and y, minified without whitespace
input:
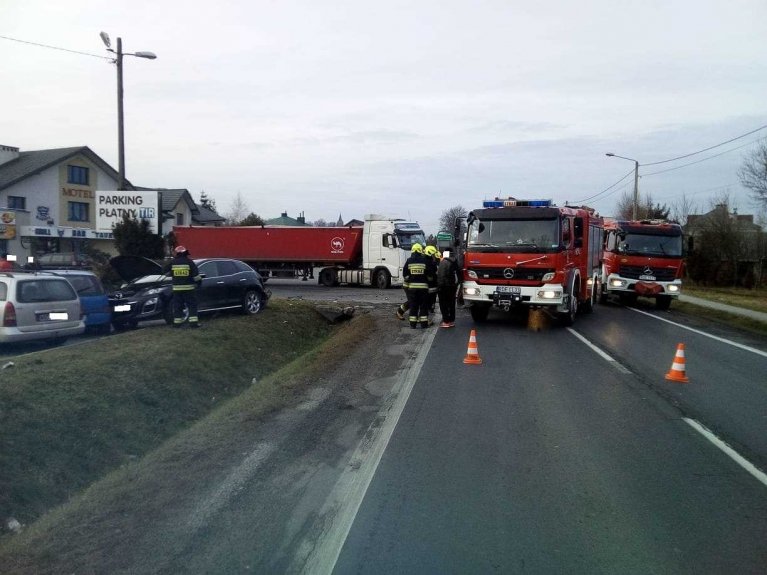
{"x":321,"y":223}
{"x":682,"y":208}
{"x":753,"y":173}
{"x":238,"y":210}
{"x":451,"y":216}
{"x":646,"y":208}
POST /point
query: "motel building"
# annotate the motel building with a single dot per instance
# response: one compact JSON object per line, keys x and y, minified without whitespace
{"x":48,"y":203}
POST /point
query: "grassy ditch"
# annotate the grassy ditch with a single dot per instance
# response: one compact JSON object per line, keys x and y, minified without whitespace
{"x":753,"y":299}
{"x":71,"y":415}
{"x":736,"y":321}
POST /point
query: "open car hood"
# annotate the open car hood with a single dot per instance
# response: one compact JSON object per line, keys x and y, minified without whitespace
{"x":132,"y":267}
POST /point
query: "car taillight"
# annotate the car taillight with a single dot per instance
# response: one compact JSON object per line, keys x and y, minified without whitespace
{"x":9,"y":315}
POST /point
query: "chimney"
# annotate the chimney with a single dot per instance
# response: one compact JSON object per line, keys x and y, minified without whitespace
{"x":301,"y":219}
{"x":8,"y":153}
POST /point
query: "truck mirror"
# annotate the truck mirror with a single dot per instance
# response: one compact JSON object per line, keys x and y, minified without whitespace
{"x":578,"y":228}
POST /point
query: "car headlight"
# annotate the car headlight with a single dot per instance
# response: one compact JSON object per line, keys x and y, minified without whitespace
{"x":472,"y":274}
{"x":548,"y":277}
{"x":152,"y":291}
{"x":550,"y":294}
{"x":471,"y":291}
{"x":673,"y":288}
{"x":617,"y":283}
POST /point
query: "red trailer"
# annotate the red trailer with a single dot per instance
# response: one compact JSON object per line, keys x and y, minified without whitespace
{"x":276,"y":250}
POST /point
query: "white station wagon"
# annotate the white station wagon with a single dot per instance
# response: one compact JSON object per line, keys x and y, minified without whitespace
{"x":38,"y":307}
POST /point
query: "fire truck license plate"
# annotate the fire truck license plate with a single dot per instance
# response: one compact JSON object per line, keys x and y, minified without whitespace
{"x":508,"y":289}
{"x":650,"y":278}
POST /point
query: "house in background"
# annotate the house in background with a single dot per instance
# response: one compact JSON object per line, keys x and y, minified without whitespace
{"x":47,"y":200}
{"x":285,"y":220}
{"x":725,"y":248}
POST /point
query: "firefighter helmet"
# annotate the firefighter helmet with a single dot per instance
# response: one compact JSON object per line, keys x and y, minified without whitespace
{"x":417,"y":248}
{"x":430,"y":250}
{"x":179,"y":250}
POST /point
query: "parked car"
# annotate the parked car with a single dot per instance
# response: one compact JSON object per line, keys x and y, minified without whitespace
{"x":226,"y":285}
{"x":38,"y":306}
{"x":56,"y":260}
{"x":93,"y":299}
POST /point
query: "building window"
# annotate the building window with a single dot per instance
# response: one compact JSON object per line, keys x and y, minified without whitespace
{"x":179,"y":219}
{"x":17,"y":202}
{"x":78,"y":212}
{"x":77,"y":175}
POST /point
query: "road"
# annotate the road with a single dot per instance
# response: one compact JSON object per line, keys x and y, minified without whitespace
{"x":565,"y":451}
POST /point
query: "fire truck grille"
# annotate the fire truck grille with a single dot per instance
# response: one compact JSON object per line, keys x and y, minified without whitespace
{"x":519,"y":274}
{"x":661,"y":274}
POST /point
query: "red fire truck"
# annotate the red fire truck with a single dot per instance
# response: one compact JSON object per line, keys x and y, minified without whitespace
{"x":642,"y":258}
{"x":534,"y":254}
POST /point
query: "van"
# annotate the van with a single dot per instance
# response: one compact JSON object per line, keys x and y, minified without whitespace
{"x":38,"y":306}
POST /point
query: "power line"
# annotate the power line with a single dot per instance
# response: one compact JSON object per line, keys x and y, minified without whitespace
{"x":606,"y":189}
{"x":706,"y":149}
{"x":55,"y":48}
{"x":699,"y":161}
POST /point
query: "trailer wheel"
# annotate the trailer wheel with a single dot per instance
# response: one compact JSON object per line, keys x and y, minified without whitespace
{"x":479,"y":312}
{"x":663,"y":302}
{"x":328,"y":277}
{"x":382,"y":279}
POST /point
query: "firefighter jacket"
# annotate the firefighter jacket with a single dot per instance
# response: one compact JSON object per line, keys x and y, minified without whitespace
{"x":184,"y":273}
{"x":419,"y":271}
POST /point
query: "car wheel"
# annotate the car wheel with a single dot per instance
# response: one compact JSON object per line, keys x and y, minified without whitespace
{"x":252,"y":302}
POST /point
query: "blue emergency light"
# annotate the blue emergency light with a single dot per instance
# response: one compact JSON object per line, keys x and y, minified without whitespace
{"x":511,"y":202}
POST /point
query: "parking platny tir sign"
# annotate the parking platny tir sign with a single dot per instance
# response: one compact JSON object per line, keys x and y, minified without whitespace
{"x":112,"y":206}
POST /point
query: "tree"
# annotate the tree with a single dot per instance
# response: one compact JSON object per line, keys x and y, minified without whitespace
{"x":321,"y":223}
{"x":753,"y":173}
{"x":682,"y":208}
{"x":238,"y":210}
{"x":646,"y":209}
{"x":451,"y":216}
{"x":207,"y":202}
{"x":252,"y":220}
{"x":134,"y":238}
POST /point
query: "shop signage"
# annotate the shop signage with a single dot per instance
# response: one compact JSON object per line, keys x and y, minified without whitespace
{"x":112,"y":206}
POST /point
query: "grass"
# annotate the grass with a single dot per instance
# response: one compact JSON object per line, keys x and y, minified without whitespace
{"x":737,"y":321}
{"x":71,"y":415}
{"x":753,"y":299}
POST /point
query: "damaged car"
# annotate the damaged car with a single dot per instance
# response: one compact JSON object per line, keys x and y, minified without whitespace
{"x":227,"y":284}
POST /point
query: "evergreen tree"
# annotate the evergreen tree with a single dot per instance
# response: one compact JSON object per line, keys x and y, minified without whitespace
{"x":134,"y":238}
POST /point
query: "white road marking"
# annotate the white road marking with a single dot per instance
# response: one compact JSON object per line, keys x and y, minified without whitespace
{"x":616,"y":364}
{"x":734,"y":455}
{"x":319,"y":556}
{"x":717,"y":338}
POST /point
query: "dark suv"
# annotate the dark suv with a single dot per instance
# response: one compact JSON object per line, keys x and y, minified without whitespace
{"x":226,"y":285}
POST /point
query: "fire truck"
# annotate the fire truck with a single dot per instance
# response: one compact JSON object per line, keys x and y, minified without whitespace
{"x":642,"y":258}
{"x":532,"y":254}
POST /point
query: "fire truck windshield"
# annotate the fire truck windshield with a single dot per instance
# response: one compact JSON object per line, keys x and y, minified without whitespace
{"x":522,"y":235}
{"x":646,"y":244}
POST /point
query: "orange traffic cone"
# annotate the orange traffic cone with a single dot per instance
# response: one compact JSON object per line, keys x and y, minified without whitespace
{"x":472,"y":354}
{"x":677,"y":371}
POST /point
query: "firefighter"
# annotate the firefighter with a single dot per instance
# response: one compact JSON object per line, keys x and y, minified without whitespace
{"x":418,"y":272}
{"x":433,"y":253}
{"x":185,"y":279}
{"x":447,"y":280}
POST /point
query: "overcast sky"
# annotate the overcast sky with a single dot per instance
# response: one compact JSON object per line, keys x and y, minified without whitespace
{"x":404,"y":108}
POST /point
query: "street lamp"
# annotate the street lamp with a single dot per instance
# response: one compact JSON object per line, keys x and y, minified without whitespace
{"x":635,"y":206}
{"x":120,"y":123}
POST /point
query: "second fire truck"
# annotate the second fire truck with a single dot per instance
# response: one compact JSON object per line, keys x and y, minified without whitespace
{"x":642,"y":258}
{"x":533,"y":254}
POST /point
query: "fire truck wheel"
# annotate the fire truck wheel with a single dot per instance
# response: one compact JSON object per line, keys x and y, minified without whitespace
{"x":663,"y":302}
{"x":568,"y":318}
{"x":479,"y":312}
{"x":588,"y":305}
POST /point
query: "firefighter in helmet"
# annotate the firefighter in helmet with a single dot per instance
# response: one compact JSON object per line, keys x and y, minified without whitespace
{"x":405,"y":306}
{"x":432,"y":252}
{"x":417,"y":272}
{"x":185,"y":276}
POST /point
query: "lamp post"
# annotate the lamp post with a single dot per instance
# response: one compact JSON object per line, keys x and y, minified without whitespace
{"x":635,"y":205}
{"x":120,"y":122}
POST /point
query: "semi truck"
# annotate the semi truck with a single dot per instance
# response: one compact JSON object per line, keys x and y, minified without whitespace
{"x":532,"y":254}
{"x":642,"y":258}
{"x":372,"y":254}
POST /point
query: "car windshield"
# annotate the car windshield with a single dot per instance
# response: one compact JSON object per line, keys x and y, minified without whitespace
{"x":407,"y":239}
{"x":646,"y":244}
{"x":514,"y":235}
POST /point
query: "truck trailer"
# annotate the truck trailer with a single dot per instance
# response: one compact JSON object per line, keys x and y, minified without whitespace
{"x":532,"y":254}
{"x":371,"y":254}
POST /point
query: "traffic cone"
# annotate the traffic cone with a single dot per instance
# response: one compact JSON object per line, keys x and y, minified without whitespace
{"x":677,"y":371}
{"x":472,"y":354}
